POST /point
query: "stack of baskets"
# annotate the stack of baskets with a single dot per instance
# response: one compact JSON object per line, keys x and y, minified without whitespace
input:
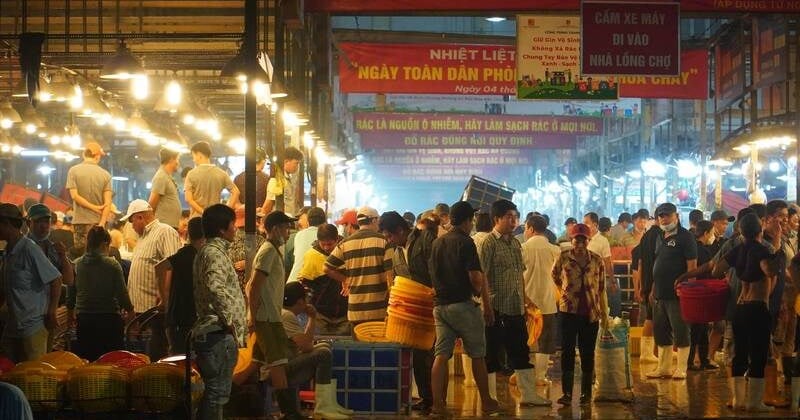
{"x":159,"y":387}
{"x":42,"y":384}
{"x":410,"y":320}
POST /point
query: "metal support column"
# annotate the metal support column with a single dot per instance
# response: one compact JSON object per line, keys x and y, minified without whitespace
{"x":250,"y":112}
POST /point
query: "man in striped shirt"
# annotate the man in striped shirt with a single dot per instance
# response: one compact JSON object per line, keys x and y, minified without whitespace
{"x":157,"y":241}
{"x":363,"y":264}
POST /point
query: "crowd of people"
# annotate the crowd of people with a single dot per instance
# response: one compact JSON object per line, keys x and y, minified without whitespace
{"x":310,"y":278}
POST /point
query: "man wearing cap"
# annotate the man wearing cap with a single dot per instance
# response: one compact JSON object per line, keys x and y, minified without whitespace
{"x":282,"y":186}
{"x":89,"y":185}
{"x":204,"y":183}
{"x":261,"y":179}
{"x":157,"y":241}
{"x":503,"y":266}
{"x":675,"y":254}
{"x":362,"y":262}
{"x":164,"y":191}
{"x":457,"y":279}
{"x":304,"y":238}
{"x":39,"y":231}
{"x":620,"y":230}
{"x":265,"y":299}
{"x":31,"y":289}
{"x":720,"y":220}
{"x":349,"y":222}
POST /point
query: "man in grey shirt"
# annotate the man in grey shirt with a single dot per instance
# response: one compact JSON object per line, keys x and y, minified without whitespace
{"x":205,"y":182}
{"x":89,"y":185}
{"x":164,"y":190}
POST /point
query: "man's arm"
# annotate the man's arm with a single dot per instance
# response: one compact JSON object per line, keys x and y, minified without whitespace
{"x":50,"y":319}
{"x":253,"y":287}
{"x":79,"y":200}
{"x":106,"y":208}
{"x":164,"y":276}
{"x":335,"y":274}
{"x":233,"y":200}
{"x":268,"y":205}
{"x":154,"y":199}
{"x":190,"y":200}
{"x":305,"y":341}
{"x":67,"y":269}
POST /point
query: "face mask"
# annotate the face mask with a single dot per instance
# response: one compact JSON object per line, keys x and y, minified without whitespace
{"x":669,"y":227}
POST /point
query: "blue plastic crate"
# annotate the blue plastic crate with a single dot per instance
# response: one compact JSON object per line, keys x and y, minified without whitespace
{"x":359,"y":379}
{"x":387,"y":379}
{"x":386,"y":402}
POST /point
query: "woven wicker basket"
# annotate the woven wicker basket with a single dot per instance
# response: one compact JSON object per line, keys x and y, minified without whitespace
{"x":98,"y":388}
{"x":42,"y":384}
{"x":157,"y":388}
{"x":371,"y":332}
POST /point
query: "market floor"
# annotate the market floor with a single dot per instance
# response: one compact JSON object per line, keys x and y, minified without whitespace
{"x":701,"y":395}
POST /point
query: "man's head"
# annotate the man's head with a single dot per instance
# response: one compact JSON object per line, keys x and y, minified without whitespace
{"x":316,"y":216}
{"x":10,"y":221}
{"x":277,"y":224}
{"x":93,"y":151}
{"x":261,"y":159}
{"x":640,"y":220}
{"x":604,"y":225}
{"x":201,"y":152}
{"x":327,"y":237}
{"x":505,"y":216}
{"x":194,"y":229}
{"x":443,"y":211}
{"x":462,"y":216}
{"x":367,"y":218}
{"x":777,"y":215}
{"x":694,"y":217}
{"x":139,"y":214}
{"x":349,"y":220}
{"x":794,"y":217}
{"x":394,"y":228}
{"x":592,"y":220}
{"x":625,"y":219}
{"x":292,"y":157}
{"x":535,"y":224}
{"x":483,"y":222}
{"x":294,"y":297}
{"x":667,"y":216}
{"x":580,"y":234}
{"x":760,"y":210}
{"x":704,"y":232}
{"x":169,"y":160}
{"x":410,"y":218}
{"x":750,"y":226}
{"x":720,"y":220}
{"x":218,"y":222}
{"x":569,"y":223}
{"x":39,"y":221}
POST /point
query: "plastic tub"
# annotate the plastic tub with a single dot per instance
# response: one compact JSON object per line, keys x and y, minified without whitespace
{"x":409,"y":330}
{"x":703,"y":300}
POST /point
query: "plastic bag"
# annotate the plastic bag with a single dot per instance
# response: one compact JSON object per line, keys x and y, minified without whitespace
{"x":614,"y":376}
{"x":534,"y":323}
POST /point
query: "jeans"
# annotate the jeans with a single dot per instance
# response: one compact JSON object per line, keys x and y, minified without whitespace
{"x":176,"y":336}
{"x":509,"y":332}
{"x":316,"y":364}
{"x":578,"y":328}
{"x":668,"y":325}
{"x":217,"y":353}
{"x":750,"y":339}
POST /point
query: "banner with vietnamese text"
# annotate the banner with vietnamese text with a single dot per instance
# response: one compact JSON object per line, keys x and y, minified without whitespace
{"x":548,"y":61}
{"x":427,"y":68}
{"x":691,"y":84}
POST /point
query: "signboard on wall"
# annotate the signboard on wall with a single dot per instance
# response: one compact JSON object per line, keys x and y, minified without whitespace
{"x":548,"y":61}
{"x":630,"y":38}
{"x":692,"y":83}
{"x":729,"y":53}
{"x":770,"y":50}
{"x":464,"y":69}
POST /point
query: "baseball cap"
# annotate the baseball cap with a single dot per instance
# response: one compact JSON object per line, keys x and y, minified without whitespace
{"x":570,"y":221}
{"x":580,"y":230}
{"x":276,"y":218}
{"x":39,"y":211}
{"x":721,"y":215}
{"x":366,"y":213}
{"x":666,"y":208}
{"x":95,"y":149}
{"x":461,"y":211}
{"x":136,"y":206}
{"x":348,"y":218}
{"x":10,"y":211}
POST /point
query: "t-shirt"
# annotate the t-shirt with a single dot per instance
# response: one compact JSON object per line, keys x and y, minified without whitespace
{"x":261,"y":187}
{"x":364,"y":258}
{"x":90,"y":180}
{"x":292,"y":327}
{"x":181,"y":310}
{"x":599,"y":245}
{"x":281,"y":190}
{"x":746,"y":260}
{"x":27,"y":275}
{"x":539,"y":256}
{"x":302,"y":243}
{"x":453,"y":256}
{"x":169,"y":206}
{"x":269,"y":261}
{"x":206,"y":182}
{"x":326,"y":293}
{"x":672,"y":253}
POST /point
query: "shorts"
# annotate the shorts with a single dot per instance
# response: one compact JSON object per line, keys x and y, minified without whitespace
{"x":272,"y":344}
{"x":547,"y":340}
{"x":645,"y":312}
{"x":459,"y":320}
{"x":79,"y":232}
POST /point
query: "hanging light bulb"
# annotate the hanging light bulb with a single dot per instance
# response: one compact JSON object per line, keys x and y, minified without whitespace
{"x":123,"y":65}
{"x":174,"y":93}
{"x":8,"y":115}
{"x":31,"y":119}
{"x":76,"y":101}
{"x":140,"y":87}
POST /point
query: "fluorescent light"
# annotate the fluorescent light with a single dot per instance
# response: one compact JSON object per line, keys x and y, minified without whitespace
{"x":34,"y":153}
{"x":119,"y":178}
{"x":495,"y":19}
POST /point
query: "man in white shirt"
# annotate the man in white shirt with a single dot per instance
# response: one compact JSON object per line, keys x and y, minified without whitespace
{"x":539,"y":256}
{"x":305,"y":238}
{"x":600,"y":246}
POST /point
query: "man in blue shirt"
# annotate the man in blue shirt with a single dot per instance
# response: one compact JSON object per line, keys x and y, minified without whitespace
{"x":31,"y":288}
{"x":39,"y":224}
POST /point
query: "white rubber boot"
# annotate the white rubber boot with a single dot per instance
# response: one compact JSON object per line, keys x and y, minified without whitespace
{"x":493,"y":385}
{"x":683,"y":363}
{"x":646,"y":346}
{"x":755,"y":396}
{"x":466,"y":364}
{"x":324,"y":407}
{"x":339,"y":408}
{"x":795,"y":394}
{"x":739,"y":393}
{"x":541,"y":361}
{"x":526,"y":382}
{"x":664,"y":369}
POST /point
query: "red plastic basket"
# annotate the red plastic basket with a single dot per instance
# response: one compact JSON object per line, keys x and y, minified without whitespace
{"x":703,"y":300}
